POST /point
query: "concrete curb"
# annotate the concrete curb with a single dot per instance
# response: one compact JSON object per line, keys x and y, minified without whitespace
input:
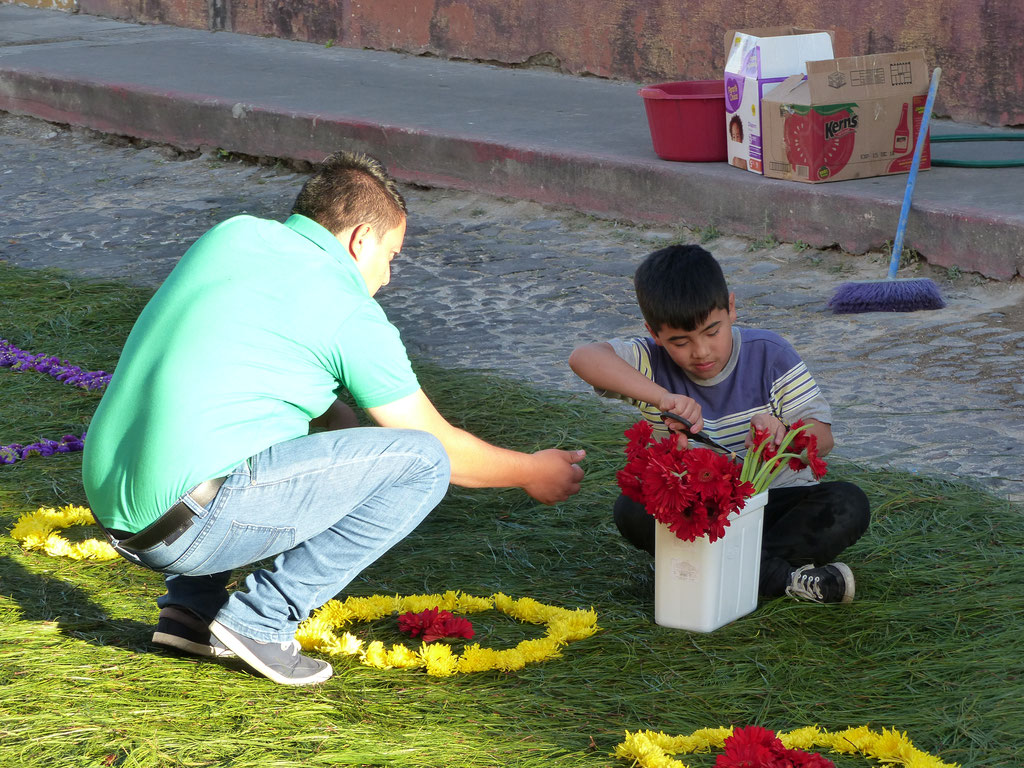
{"x":858,"y":216}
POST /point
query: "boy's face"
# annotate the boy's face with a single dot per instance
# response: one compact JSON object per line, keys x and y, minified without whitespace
{"x":703,"y":352}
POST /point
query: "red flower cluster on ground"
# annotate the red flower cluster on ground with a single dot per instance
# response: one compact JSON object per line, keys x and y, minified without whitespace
{"x":755,"y":747}
{"x":433,"y":624}
{"x":693,"y":491}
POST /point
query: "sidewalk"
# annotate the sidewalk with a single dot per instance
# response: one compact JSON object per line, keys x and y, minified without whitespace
{"x":579,"y":142}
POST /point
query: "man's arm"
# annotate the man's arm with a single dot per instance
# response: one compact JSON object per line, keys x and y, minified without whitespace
{"x":549,"y":476}
{"x":599,"y":365}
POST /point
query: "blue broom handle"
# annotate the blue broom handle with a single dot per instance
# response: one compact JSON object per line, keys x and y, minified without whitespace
{"x":897,"y":244}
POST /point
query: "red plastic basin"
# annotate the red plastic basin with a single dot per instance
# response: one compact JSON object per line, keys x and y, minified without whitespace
{"x":687,"y":120}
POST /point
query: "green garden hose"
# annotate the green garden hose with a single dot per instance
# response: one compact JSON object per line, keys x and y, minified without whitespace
{"x":978,"y":137}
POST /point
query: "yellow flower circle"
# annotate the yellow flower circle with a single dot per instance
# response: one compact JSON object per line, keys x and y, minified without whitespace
{"x":563,"y":626}
{"x":37,"y":530}
{"x":652,"y":749}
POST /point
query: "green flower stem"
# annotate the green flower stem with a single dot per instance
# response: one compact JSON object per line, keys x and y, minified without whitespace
{"x":761,"y":475}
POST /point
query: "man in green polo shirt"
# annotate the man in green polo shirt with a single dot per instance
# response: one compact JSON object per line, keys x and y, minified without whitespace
{"x":199,"y":458}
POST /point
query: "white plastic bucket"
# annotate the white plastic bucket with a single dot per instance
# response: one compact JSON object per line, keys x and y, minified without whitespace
{"x":702,"y":586}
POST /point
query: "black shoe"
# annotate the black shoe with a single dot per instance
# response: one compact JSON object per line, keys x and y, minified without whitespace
{"x":281,"y":662}
{"x":832,"y":583}
{"x":183,"y":630}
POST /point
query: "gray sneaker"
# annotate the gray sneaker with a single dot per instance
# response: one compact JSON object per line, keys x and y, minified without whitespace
{"x":281,"y":662}
{"x":182,"y":630}
{"x":832,"y":583}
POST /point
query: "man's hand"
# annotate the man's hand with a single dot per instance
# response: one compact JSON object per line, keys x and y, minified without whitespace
{"x":555,"y":475}
{"x":766,"y":422}
{"x":686,"y":407}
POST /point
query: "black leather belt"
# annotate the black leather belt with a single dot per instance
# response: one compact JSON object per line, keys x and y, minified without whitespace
{"x":172,"y":523}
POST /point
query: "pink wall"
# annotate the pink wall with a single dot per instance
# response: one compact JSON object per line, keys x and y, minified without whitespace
{"x":978,"y":43}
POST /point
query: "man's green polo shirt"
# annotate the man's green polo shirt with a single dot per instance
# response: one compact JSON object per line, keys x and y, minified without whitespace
{"x":247,"y":340}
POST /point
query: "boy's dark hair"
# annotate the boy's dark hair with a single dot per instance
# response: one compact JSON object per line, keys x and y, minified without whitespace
{"x":679,"y":286}
{"x":348,"y":189}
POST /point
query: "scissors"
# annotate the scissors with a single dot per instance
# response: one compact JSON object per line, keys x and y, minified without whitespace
{"x":700,"y":437}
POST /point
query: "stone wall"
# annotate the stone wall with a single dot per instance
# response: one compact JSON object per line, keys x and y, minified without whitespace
{"x":978,"y":43}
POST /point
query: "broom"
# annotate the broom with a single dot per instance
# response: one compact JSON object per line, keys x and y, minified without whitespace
{"x":892,"y":295}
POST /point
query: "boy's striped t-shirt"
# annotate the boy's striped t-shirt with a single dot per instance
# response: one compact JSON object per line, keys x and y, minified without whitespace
{"x":764,"y":375}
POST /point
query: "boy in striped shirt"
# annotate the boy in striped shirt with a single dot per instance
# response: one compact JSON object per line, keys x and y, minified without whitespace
{"x":726,"y":380}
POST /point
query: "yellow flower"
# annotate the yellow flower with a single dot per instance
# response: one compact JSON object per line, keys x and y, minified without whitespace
{"x":351,"y":645}
{"x":370,"y":608}
{"x":802,"y":738}
{"x":401,"y":657}
{"x":335,"y":613}
{"x":574,"y":625}
{"x":477,"y":659}
{"x":93,"y":549}
{"x":315,"y":635}
{"x":643,"y":749}
{"x":36,"y":530}
{"x":539,"y":649}
{"x":417,"y":603}
{"x":470,"y":604}
{"x":438,"y":659}
{"x":375,"y":656}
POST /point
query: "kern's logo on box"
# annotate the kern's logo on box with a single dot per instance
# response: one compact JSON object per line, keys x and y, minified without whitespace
{"x":834,"y":128}
{"x":820,"y":140}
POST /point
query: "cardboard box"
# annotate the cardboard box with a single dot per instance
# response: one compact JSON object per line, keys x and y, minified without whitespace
{"x":851,"y":118}
{"x":758,"y":60}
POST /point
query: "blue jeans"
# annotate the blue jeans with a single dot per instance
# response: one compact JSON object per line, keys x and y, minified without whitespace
{"x":326,"y":505}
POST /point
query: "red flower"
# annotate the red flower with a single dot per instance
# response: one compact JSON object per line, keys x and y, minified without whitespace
{"x":711,"y":474}
{"x":750,"y":747}
{"x":691,"y":491}
{"x":433,"y":624}
{"x":801,"y":759}
{"x":755,"y":747}
{"x":640,"y":435}
{"x":770,"y":448}
{"x":806,"y":446}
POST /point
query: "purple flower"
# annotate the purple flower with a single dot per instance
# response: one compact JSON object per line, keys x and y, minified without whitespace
{"x":15,"y":452}
{"x":19,"y":360}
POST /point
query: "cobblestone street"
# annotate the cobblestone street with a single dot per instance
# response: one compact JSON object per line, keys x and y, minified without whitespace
{"x":513,"y":286}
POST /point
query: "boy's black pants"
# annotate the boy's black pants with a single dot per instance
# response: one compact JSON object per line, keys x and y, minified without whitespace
{"x":804,"y":524}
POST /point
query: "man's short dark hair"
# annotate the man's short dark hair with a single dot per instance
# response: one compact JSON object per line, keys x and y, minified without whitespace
{"x":679,"y":286}
{"x":348,"y":189}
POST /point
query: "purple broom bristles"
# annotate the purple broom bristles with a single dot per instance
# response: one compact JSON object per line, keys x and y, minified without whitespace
{"x":904,"y":295}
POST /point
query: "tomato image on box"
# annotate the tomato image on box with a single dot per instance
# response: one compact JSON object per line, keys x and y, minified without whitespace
{"x":758,"y":60}
{"x":849,"y":118}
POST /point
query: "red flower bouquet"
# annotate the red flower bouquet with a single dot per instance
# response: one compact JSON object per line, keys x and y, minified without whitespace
{"x":432,"y":624}
{"x":694,"y":490}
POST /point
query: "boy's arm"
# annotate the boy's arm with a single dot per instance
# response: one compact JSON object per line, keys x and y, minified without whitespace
{"x":549,"y":476}
{"x":599,"y":365}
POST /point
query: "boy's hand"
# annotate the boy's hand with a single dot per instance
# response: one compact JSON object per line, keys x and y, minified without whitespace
{"x":766,"y":422}
{"x":686,"y":407}
{"x":555,"y":475}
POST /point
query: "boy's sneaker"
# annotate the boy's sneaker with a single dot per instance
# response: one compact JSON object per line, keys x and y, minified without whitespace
{"x":281,"y":662}
{"x":832,"y":583}
{"x":182,"y":629}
